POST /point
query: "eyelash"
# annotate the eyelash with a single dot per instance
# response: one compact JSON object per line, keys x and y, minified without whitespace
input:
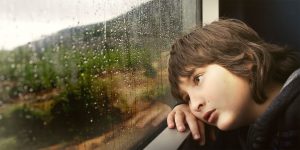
{"x":186,"y":97}
{"x":197,"y":77}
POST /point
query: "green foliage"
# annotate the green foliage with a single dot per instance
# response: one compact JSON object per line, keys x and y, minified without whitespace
{"x":83,"y":109}
{"x":26,"y":124}
{"x":55,"y":67}
{"x":155,"y":93}
{"x":8,"y":143}
{"x":150,"y":71}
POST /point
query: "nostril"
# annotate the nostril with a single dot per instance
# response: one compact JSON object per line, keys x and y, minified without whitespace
{"x":199,"y":106}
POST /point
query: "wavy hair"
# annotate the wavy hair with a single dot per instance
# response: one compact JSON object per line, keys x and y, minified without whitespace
{"x":233,"y":45}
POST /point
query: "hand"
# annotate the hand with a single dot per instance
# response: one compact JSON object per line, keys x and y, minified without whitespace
{"x":182,"y":115}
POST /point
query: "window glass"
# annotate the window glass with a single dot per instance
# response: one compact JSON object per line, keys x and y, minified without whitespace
{"x":86,"y":74}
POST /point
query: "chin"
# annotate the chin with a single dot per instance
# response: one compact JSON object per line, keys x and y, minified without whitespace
{"x":225,"y":125}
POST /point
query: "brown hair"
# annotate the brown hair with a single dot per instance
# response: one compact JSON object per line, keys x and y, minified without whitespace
{"x":233,"y":45}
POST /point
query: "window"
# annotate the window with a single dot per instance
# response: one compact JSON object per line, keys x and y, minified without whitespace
{"x":84,"y":74}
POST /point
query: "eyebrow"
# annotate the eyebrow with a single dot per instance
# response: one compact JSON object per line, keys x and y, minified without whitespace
{"x":188,"y":74}
{"x":194,"y":73}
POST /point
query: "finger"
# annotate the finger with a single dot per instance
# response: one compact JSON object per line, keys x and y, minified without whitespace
{"x":179,"y":121}
{"x":201,"y":127}
{"x":170,"y":119}
{"x":193,"y":125}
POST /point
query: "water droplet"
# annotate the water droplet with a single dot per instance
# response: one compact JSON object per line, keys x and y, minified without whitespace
{"x":29,"y":45}
{"x":27,"y":116}
{"x":12,"y":65}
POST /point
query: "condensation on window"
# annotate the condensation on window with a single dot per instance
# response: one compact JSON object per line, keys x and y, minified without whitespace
{"x":84,"y":74}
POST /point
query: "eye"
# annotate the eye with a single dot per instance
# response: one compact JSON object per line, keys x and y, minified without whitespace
{"x":198,"y":79}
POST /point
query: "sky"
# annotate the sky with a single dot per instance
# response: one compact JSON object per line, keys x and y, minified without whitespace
{"x":22,"y":21}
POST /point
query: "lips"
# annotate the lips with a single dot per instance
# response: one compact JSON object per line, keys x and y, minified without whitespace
{"x":208,"y":114}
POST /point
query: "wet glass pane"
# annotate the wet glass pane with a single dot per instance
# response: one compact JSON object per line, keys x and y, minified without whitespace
{"x":86,"y":74}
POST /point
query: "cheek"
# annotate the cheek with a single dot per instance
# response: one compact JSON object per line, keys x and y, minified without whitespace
{"x":232,"y":118}
{"x":217,"y":92}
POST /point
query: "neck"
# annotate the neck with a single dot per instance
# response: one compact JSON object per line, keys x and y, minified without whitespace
{"x":272,"y":90}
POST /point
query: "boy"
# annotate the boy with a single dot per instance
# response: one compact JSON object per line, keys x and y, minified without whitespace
{"x":231,"y":79}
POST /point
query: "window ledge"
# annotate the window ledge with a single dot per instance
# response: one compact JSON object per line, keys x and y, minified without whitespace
{"x":168,"y":139}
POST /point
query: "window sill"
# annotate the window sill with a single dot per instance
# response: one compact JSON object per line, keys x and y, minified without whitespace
{"x":168,"y":139}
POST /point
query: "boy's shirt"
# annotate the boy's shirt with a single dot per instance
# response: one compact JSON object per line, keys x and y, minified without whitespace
{"x":278,"y":127}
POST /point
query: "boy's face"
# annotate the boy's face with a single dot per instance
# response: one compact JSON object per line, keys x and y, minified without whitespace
{"x":218,"y":97}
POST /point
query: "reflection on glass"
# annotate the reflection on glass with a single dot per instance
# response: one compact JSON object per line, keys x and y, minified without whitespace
{"x":95,"y":86}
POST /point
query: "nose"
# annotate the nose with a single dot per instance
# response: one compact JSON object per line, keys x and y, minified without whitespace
{"x":196,"y":106}
{"x":197,"y":102}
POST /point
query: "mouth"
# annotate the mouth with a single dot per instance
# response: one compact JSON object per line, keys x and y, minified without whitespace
{"x":209,"y":117}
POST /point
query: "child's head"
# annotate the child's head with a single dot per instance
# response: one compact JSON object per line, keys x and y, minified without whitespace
{"x":245,"y":63}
